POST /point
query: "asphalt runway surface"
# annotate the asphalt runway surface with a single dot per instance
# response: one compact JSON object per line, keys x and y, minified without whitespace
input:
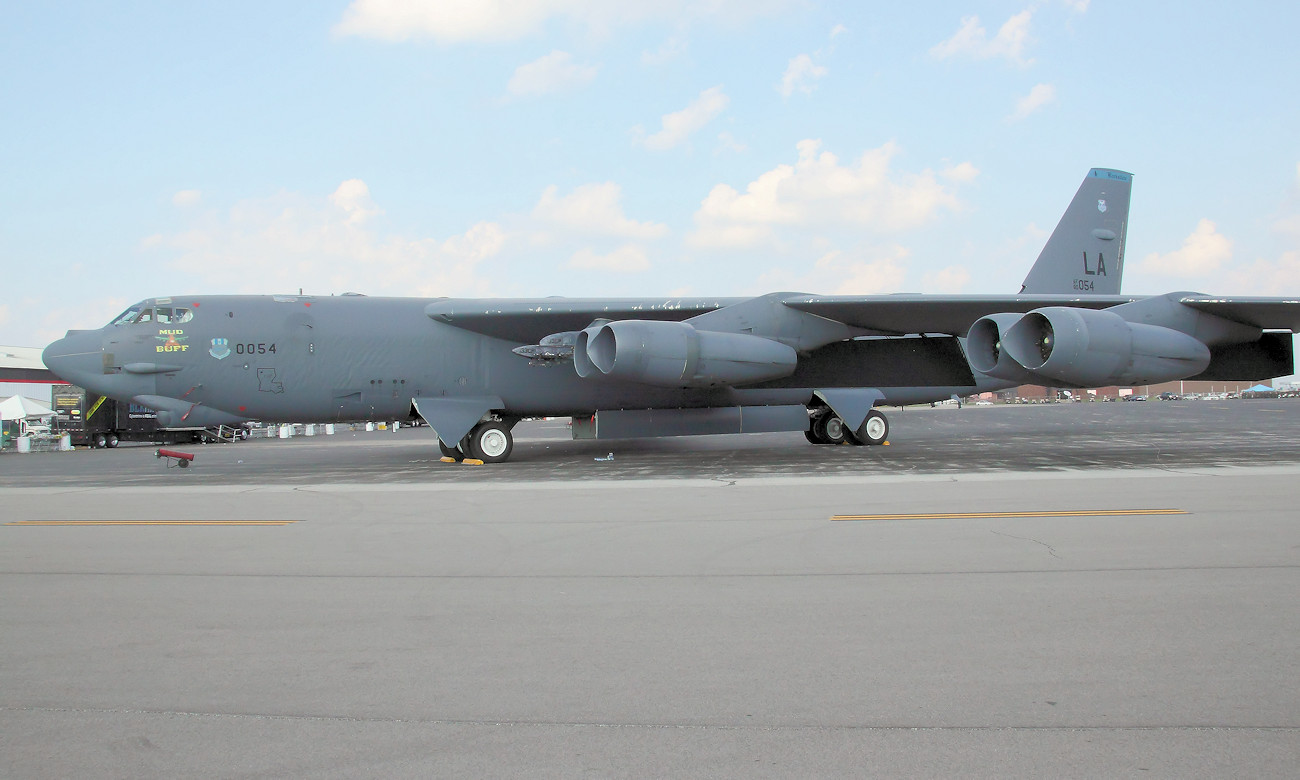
{"x":1029,"y":438}
{"x":1078,"y":591}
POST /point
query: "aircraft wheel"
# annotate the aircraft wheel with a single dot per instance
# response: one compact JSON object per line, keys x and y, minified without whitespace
{"x":112,"y":440}
{"x":874,"y":429}
{"x":450,"y":452}
{"x":491,"y":442}
{"x":830,"y":429}
{"x":812,"y":437}
{"x":99,"y":442}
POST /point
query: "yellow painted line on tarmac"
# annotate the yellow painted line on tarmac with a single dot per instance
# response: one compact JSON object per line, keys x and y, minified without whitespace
{"x":1001,"y":515}
{"x":151,"y":522}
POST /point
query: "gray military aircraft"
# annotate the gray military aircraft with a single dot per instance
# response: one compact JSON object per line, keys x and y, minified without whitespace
{"x":625,"y":368}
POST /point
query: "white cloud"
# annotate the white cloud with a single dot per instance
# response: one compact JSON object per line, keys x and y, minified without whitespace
{"x":1267,"y":277}
{"x":818,"y":191}
{"x":186,"y":198}
{"x":962,"y":173}
{"x":353,"y":198}
{"x":680,"y":125}
{"x":625,"y":259}
{"x":972,"y":40}
{"x":1204,"y":252}
{"x":451,"y":20}
{"x":1078,"y":6}
{"x":457,"y":21}
{"x":728,"y":143}
{"x":669,"y":50}
{"x":800,"y":74}
{"x":950,"y":281}
{"x":324,"y":245}
{"x":594,"y":209}
{"x":838,"y":30}
{"x":1039,"y":96}
{"x":555,"y":72}
{"x":862,"y":271}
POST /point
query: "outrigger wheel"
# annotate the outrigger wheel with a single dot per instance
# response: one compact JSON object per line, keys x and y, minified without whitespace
{"x":874,"y":429}
{"x":490,"y":442}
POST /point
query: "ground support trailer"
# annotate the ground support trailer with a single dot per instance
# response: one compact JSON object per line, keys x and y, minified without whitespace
{"x":97,"y":421}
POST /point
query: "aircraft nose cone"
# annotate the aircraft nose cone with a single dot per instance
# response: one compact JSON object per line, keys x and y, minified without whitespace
{"x":75,"y":356}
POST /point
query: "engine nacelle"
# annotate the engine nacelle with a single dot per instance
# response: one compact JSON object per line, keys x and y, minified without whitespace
{"x":985,"y":353}
{"x":1097,"y":348}
{"x":675,"y":354}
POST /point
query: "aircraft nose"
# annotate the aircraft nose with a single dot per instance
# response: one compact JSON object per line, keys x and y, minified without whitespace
{"x":75,"y":356}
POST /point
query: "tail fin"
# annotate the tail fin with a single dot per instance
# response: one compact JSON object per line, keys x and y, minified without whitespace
{"x":1085,"y":254}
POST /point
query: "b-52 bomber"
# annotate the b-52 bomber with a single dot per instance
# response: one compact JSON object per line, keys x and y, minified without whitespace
{"x":624,"y":368}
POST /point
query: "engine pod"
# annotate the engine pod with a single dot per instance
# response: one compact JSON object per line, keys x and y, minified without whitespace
{"x":675,"y":354}
{"x":1089,"y":348}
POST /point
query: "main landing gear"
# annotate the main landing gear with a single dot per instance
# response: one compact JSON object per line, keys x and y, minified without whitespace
{"x":828,"y":428}
{"x":490,"y":442}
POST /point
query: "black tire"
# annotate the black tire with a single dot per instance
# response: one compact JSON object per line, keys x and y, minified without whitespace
{"x":874,"y":429}
{"x":99,"y":441}
{"x":112,"y":441}
{"x":491,"y":442}
{"x":810,"y":436}
{"x":830,"y":429}
{"x":450,"y":452}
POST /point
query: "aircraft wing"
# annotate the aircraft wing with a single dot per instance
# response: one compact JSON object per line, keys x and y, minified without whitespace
{"x":528,"y":320}
{"x":890,"y":315}
{"x":1266,"y":313}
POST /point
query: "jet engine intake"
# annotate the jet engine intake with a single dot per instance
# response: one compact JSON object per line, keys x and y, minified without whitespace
{"x":1097,"y":348}
{"x":985,"y":353}
{"x":675,"y":354}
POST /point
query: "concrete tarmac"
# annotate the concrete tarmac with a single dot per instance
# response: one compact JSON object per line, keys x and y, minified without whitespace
{"x":959,"y":603}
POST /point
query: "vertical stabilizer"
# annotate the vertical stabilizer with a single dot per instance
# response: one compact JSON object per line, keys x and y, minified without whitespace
{"x":1085,"y":254}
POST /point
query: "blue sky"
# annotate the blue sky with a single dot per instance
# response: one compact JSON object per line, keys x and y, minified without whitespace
{"x":589,"y":148}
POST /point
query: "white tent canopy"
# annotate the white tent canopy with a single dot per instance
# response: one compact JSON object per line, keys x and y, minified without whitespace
{"x":22,"y":408}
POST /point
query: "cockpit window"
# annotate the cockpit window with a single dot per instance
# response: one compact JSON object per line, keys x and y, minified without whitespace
{"x":173,"y":315}
{"x":129,"y":316}
{"x":146,"y":312}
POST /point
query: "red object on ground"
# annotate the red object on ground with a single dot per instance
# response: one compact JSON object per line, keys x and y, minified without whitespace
{"x":182,"y":458}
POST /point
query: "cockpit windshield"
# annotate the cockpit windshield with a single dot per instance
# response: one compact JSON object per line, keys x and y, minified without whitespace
{"x":147,"y":311}
{"x":129,"y":316}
